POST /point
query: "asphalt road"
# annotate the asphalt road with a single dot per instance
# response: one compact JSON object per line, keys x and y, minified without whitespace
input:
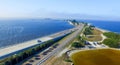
{"x":15,"y":49}
{"x":62,"y":45}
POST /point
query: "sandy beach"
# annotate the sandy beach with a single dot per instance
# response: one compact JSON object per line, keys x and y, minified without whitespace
{"x":103,"y":30}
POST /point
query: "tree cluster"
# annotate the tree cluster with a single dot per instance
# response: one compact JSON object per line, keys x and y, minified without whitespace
{"x":79,"y":43}
{"x":88,"y":31}
{"x":16,"y":58}
{"x":74,"y":22}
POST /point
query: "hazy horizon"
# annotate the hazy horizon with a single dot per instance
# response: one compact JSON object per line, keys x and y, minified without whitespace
{"x":63,"y":9}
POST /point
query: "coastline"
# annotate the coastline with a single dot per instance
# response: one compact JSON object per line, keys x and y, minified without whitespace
{"x":103,"y":30}
{"x":34,"y":41}
{"x":27,"y":31}
{"x":25,"y":45}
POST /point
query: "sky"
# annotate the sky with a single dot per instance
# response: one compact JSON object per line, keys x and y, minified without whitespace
{"x":78,"y":9}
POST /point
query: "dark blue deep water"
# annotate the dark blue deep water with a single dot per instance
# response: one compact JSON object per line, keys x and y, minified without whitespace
{"x":17,"y":31}
{"x":113,"y":26}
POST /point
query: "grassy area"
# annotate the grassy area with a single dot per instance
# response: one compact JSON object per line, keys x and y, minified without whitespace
{"x":56,"y":61}
{"x":113,"y":39}
{"x":97,"y":32}
{"x":96,"y":36}
{"x":62,"y":60}
{"x":97,"y":57}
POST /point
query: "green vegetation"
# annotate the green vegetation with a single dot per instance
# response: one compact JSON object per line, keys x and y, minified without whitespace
{"x":66,"y":58}
{"x":96,"y":35}
{"x":97,"y":57}
{"x":92,"y":34}
{"x":113,"y":39}
{"x":74,"y":22}
{"x":79,"y":43}
{"x":112,"y":35}
{"x":16,"y":58}
{"x":88,"y":30}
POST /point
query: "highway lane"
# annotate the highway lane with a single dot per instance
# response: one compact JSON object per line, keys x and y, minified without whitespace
{"x":15,"y":49}
{"x":62,"y":45}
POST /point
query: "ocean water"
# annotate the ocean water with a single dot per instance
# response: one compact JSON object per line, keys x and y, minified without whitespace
{"x":113,"y":26}
{"x":18,"y":31}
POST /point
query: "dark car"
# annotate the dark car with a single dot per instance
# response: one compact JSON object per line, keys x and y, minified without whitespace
{"x":37,"y":58}
{"x":28,"y":64}
{"x":44,"y":53}
{"x":55,"y":46}
{"x":31,"y":60}
{"x":39,"y":41}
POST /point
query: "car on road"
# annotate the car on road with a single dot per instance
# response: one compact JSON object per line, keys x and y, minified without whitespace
{"x":37,"y":58}
{"x":28,"y":64}
{"x":31,"y":60}
{"x":55,"y":46}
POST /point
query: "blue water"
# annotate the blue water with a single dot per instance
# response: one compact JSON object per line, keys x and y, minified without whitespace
{"x":17,"y":31}
{"x":113,"y":26}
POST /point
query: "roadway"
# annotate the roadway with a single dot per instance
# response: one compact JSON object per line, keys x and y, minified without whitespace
{"x":62,"y":45}
{"x":11,"y":50}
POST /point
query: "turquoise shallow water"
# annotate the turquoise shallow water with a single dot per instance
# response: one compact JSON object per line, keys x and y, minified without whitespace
{"x":17,"y":31}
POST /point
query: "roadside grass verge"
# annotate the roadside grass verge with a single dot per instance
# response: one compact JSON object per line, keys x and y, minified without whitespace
{"x":96,"y":36}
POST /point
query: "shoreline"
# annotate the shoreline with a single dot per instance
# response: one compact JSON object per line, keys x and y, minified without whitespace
{"x":9,"y":50}
{"x":29,"y":41}
{"x":102,"y":30}
{"x":34,"y":41}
